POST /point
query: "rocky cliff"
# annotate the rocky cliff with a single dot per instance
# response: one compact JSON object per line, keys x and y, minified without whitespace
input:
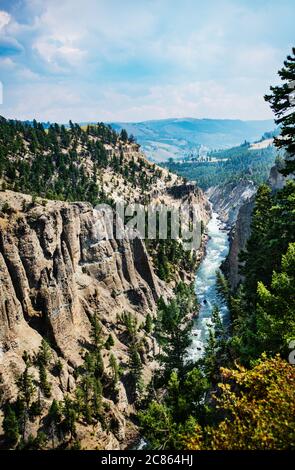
{"x":228,"y":199}
{"x":240,"y":232}
{"x":238,"y":240}
{"x":55,"y":275}
{"x":58,"y":275}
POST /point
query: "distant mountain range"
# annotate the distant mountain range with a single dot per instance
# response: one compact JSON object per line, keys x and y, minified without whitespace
{"x":165,"y":138}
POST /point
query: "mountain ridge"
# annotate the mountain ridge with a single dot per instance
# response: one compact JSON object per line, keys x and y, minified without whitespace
{"x":157,"y":137}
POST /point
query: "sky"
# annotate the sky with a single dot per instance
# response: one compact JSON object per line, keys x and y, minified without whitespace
{"x":135,"y":60}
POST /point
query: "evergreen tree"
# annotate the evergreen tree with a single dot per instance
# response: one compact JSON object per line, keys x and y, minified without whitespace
{"x":10,"y":425}
{"x":275,"y":314}
{"x":115,"y":369}
{"x":70,"y":417}
{"x":26,"y":387}
{"x":282,"y":103}
{"x":256,"y":265}
{"x":43,"y":358}
{"x":135,"y":366}
{"x":148,"y":326}
{"x":124,"y":135}
{"x":173,"y":333}
{"x":54,"y":417}
{"x":44,"y":384}
{"x":109,"y":342}
{"x":96,"y":331}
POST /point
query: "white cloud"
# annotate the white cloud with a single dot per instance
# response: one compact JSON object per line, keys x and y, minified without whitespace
{"x":141,"y":60}
{"x":4,"y":19}
{"x":59,"y":55}
{"x":59,"y":101}
{"x":7,"y":63}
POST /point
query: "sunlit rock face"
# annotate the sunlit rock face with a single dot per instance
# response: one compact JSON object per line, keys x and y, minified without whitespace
{"x":228,"y":199}
{"x":55,"y":274}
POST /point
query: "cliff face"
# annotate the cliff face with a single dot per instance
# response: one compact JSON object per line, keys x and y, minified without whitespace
{"x":238,"y":240}
{"x":234,"y":204}
{"x":240,"y":233}
{"x":228,"y":199}
{"x":55,"y":274}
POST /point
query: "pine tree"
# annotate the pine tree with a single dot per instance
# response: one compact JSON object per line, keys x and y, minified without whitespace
{"x":124,"y":135}
{"x":43,"y":358}
{"x":109,"y":342}
{"x":256,"y":259}
{"x":282,"y":103}
{"x":275,"y":315}
{"x":10,"y":425}
{"x":173,"y":333}
{"x":70,"y":417}
{"x":148,"y":326}
{"x":26,"y":387}
{"x":115,"y":369}
{"x":96,"y":331}
{"x":54,"y":417}
{"x":135,"y":366}
{"x":43,"y":381}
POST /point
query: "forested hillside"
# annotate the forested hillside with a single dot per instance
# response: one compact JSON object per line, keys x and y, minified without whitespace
{"x":177,"y":137}
{"x":69,"y":164}
{"x":227,"y":166}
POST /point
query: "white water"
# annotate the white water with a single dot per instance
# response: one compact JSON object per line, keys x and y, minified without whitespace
{"x":205,"y":286}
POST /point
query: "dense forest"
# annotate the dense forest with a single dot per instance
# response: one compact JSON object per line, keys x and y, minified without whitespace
{"x":229,"y":167}
{"x":241,"y":394}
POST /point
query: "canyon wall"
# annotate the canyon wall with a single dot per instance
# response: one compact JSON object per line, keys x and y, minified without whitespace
{"x":56,"y":273}
{"x":240,"y":232}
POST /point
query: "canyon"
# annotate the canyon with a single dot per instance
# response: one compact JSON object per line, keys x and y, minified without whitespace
{"x":56,"y":274}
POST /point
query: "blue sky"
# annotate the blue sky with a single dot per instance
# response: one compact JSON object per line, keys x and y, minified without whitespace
{"x":134,"y":60}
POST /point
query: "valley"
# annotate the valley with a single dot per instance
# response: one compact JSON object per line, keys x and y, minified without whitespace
{"x":87,"y":323}
{"x":147,"y":232}
{"x":178,"y":138}
{"x":152,"y":337}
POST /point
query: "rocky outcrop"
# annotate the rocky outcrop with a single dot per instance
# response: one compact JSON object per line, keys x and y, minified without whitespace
{"x":238,"y":240}
{"x":240,"y":232}
{"x":181,"y":190}
{"x":276,"y":180}
{"x":228,"y":199}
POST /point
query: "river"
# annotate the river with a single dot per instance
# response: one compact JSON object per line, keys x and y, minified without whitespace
{"x":205,"y":286}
